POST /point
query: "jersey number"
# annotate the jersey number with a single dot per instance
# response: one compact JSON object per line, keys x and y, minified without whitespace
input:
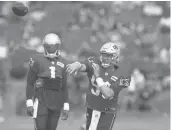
{"x":95,"y":92}
{"x":52,"y":72}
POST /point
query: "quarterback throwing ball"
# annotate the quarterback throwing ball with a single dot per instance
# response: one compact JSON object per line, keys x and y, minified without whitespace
{"x":106,"y":80}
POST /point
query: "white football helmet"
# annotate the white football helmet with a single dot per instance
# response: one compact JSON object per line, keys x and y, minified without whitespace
{"x":109,"y":53}
{"x":52,"y":45}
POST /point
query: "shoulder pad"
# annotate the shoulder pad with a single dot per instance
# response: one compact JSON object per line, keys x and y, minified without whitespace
{"x":37,"y":56}
{"x":63,"y":60}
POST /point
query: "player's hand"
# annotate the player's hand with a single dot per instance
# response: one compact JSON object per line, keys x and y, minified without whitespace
{"x":65,"y":114}
{"x":124,"y":82}
{"x":107,"y":84}
{"x":73,"y":68}
{"x":30,"y":110}
{"x":65,"y":111}
{"x":96,"y":70}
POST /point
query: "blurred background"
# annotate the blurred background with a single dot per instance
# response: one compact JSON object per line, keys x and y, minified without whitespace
{"x":143,"y":28}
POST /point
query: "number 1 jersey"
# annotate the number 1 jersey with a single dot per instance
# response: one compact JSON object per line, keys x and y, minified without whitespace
{"x":47,"y":81}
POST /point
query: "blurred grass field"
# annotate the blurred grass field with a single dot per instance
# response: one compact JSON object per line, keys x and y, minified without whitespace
{"x":124,"y":121}
{"x":154,"y":120}
{"x":159,"y":119}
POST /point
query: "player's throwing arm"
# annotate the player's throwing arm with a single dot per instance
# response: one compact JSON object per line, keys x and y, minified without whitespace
{"x":105,"y":85}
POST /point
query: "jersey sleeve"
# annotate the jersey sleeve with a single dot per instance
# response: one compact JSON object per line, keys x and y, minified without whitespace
{"x":31,"y":78}
{"x":123,"y":78}
{"x":88,"y":63}
{"x":120,"y":83}
{"x":114,"y":84}
{"x":65,"y":85}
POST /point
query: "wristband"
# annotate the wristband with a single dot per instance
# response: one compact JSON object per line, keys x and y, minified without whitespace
{"x":29,"y":103}
{"x":66,"y":106}
{"x":99,"y":81}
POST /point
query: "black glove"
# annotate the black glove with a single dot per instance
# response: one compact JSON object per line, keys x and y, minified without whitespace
{"x":30,"y":111}
{"x":125,"y":82}
{"x":65,"y":114}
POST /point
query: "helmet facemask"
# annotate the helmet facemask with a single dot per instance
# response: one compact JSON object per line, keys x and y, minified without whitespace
{"x":107,"y":59}
{"x":51,"y":51}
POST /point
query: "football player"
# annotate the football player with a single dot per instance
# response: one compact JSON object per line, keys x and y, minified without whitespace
{"x":46,"y":91}
{"x":106,"y":81}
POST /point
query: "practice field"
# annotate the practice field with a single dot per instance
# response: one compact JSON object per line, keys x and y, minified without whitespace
{"x":124,"y":121}
{"x":58,"y":15}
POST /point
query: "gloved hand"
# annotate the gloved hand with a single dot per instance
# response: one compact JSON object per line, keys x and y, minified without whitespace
{"x":65,"y":112}
{"x":124,"y":81}
{"x":30,"y":110}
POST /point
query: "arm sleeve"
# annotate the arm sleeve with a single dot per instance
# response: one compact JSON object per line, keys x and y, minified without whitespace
{"x":125,"y":76}
{"x":115,"y":86}
{"x":65,"y":85}
{"x":31,"y":79}
{"x":117,"y":82}
{"x":88,"y":63}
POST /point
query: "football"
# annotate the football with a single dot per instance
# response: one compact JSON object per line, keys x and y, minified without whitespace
{"x":20,"y":8}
